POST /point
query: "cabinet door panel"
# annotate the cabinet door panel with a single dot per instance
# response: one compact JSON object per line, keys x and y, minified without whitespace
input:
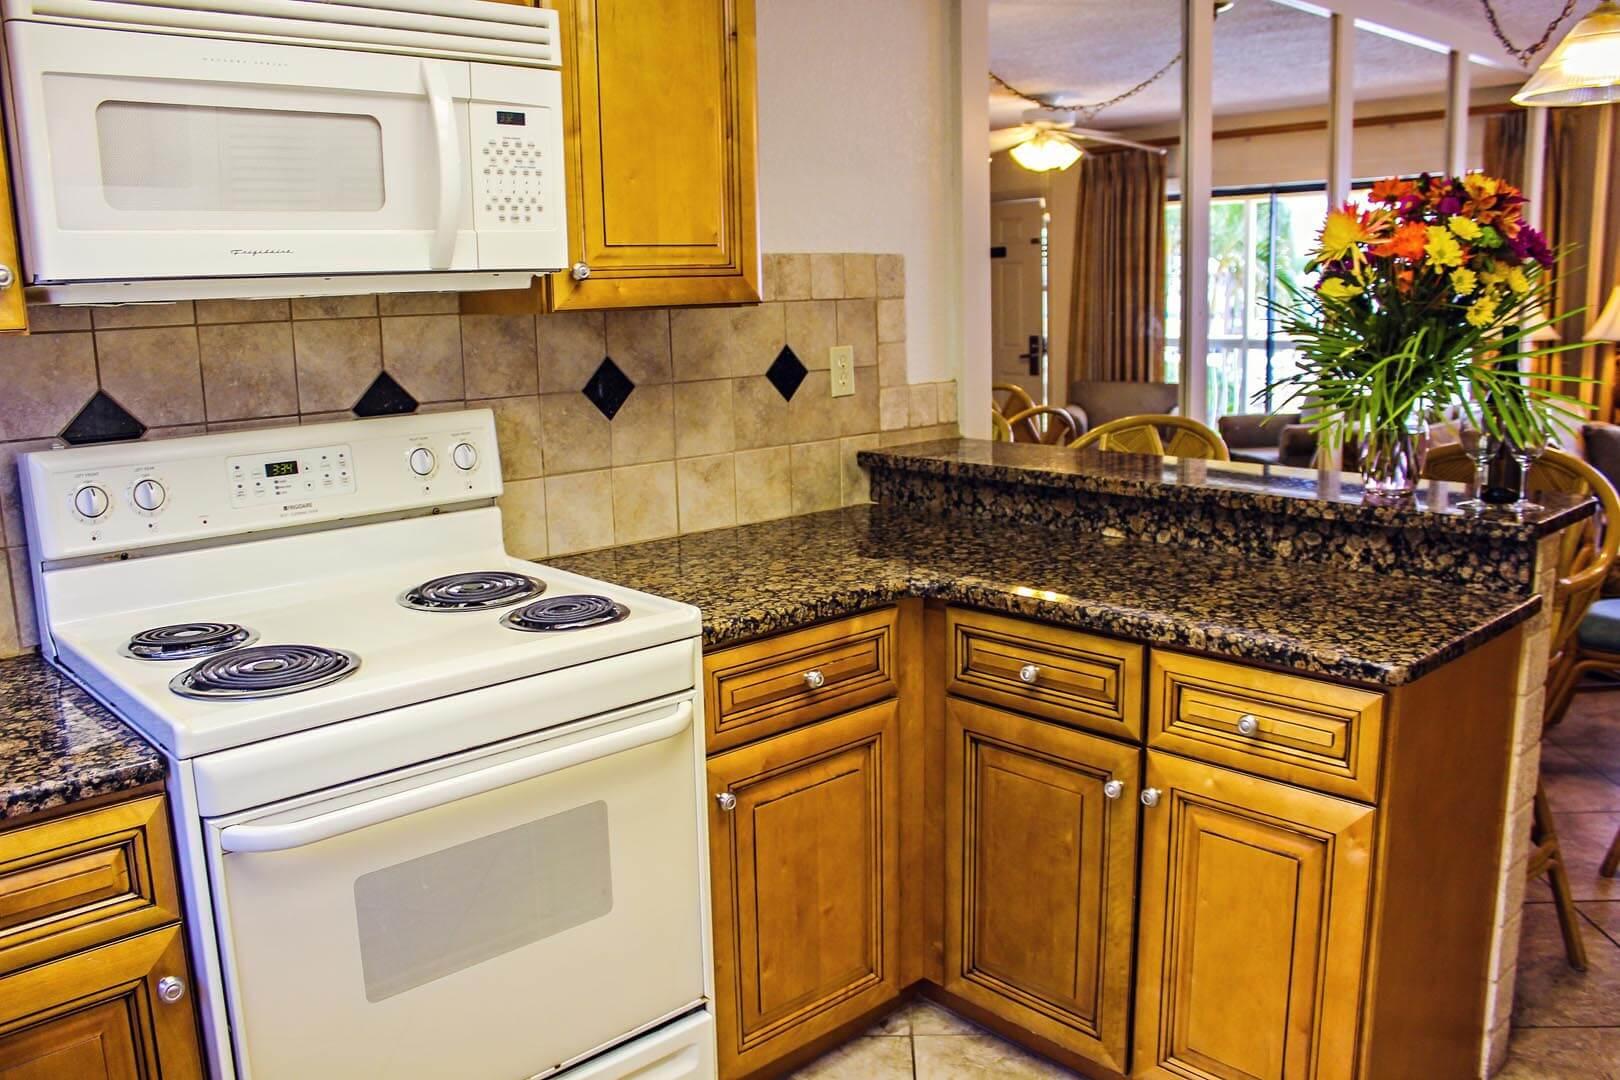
{"x":1040,"y":866}
{"x":806,"y":883}
{"x":1253,"y":918}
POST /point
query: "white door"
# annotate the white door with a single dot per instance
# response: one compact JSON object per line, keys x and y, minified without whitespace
{"x":1018,"y":295}
{"x":501,"y":916}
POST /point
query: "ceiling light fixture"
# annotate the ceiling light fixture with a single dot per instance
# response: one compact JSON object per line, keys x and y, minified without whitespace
{"x":1585,"y":67}
{"x":1046,"y":151}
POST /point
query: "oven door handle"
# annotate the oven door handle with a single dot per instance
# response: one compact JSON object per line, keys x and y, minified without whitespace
{"x":441,"y":105}
{"x":248,"y":838}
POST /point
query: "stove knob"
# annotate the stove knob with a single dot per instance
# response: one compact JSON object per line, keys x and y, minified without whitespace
{"x":465,"y":455}
{"x":148,"y":494}
{"x":422,"y":461}
{"x":90,"y":500}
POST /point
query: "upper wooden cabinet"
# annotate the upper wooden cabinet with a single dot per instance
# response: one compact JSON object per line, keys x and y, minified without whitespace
{"x":13,"y":310}
{"x":659,"y":130}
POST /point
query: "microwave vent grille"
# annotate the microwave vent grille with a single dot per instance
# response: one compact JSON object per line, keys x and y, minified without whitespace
{"x":455,"y":29}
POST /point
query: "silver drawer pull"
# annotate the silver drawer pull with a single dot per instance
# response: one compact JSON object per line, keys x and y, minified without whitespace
{"x":1248,"y":725}
{"x":1114,"y":789}
{"x":1150,"y":796}
{"x":727,"y":801}
{"x":171,"y":988}
{"x":814,"y":679}
{"x":1028,"y":674}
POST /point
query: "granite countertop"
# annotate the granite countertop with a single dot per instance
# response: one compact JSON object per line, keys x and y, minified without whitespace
{"x":1306,"y":493}
{"x":1359,"y":627}
{"x":58,"y":745}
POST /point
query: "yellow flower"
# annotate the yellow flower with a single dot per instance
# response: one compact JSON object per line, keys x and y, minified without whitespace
{"x":1338,"y":288}
{"x":1494,"y":274}
{"x":1479,"y":186}
{"x":1518,"y":281}
{"x":1465,"y":227}
{"x":1483,"y":312}
{"x":1464,"y":282}
{"x":1443,"y":248}
{"x":1341,"y":234}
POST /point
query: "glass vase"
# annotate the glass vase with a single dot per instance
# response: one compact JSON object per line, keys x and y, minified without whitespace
{"x":1392,"y":461}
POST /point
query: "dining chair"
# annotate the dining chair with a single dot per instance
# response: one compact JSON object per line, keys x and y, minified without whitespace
{"x":1000,"y":430}
{"x":1145,"y":435}
{"x":1582,"y":638}
{"x":1059,"y":427}
{"x":1016,"y":398}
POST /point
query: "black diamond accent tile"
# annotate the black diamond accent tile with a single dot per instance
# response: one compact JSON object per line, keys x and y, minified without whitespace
{"x":786,"y":372}
{"x":609,"y":388}
{"x":385,"y":397}
{"x":102,"y":420}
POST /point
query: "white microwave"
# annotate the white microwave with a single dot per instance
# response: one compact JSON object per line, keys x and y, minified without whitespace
{"x":169,"y":150}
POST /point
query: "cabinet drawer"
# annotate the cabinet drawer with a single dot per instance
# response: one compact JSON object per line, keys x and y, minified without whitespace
{"x":1063,"y":675}
{"x":1305,"y":731}
{"x":78,"y":881}
{"x":778,"y":683}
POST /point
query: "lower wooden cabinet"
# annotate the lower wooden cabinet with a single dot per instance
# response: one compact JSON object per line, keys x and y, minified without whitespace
{"x":1040,"y":868}
{"x":804,"y":858}
{"x":1255,"y":898}
{"x":99,"y":1014}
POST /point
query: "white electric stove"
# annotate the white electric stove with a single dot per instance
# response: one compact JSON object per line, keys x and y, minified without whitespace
{"x":440,"y":811}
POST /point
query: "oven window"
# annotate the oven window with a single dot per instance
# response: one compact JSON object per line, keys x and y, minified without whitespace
{"x":441,"y":913}
{"x":156,"y":156}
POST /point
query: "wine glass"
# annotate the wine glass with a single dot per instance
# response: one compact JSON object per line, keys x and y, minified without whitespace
{"x":1479,"y":447}
{"x":1526,"y":452}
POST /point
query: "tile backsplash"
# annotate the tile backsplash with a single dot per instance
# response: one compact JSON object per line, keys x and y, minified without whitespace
{"x":704,"y":439}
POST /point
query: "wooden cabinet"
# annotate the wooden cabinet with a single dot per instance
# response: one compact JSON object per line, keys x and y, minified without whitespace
{"x":804,"y":862}
{"x":1040,"y":869}
{"x":1253,"y":917}
{"x":659,"y":129}
{"x":13,"y":310}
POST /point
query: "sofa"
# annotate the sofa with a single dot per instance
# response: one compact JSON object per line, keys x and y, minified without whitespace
{"x":1267,"y":439}
{"x":1093,"y":402}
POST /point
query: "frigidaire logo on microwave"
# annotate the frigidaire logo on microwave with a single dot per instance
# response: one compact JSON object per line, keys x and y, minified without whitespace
{"x":261,"y":251}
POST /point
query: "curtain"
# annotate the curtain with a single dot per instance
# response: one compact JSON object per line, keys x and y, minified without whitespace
{"x":1116,"y":306}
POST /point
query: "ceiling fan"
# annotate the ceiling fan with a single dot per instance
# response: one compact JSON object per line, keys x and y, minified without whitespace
{"x":1051,"y":139}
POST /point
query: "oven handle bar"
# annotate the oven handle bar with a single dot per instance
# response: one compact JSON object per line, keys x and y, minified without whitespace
{"x":246,"y":838}
{"x":451,"y":168}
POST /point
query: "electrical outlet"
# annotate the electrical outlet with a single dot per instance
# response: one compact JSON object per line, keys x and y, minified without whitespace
{"x":842,"y":359}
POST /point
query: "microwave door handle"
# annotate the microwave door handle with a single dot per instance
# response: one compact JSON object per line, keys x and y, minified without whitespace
{"x":441,"y":106}
{"x":247,"y":838}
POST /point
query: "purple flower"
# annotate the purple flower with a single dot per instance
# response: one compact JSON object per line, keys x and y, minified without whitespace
{"x":1450,"y":205}
{"x":1528,"y":243}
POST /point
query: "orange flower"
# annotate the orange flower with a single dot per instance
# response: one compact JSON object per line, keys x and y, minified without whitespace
{"x":1393,"y":189}
{"x":1408,"y":243}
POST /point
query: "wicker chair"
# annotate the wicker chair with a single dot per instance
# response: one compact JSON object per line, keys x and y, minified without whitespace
{"x":1043,"y":424}
{"x":1156,"y":433}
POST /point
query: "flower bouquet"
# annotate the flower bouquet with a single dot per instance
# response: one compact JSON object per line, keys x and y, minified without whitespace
{"x":1423,"y":300}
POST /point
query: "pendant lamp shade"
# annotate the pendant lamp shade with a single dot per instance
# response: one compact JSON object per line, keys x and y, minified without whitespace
{"x":1584,"y":69}
{"x":1607,"y":327}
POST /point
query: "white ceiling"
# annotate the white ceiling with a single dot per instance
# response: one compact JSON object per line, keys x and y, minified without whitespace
{"x":1267,"y":57}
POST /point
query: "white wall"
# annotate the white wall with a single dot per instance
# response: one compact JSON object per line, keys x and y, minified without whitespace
{"x":858,"y":150}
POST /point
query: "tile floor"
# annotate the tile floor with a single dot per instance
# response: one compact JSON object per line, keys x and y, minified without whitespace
{"x":1566,"y":1025}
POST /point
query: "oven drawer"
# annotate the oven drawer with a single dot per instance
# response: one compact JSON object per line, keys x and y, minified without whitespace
{"x":1305,"y":731}
{"x":781,"y":682}
{"x":1072,"y":677}
{"x":81,"y":880}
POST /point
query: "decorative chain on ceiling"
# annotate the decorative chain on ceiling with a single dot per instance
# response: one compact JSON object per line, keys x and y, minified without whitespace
{"x":1525,"y":55}
{"x":1087,"y":112}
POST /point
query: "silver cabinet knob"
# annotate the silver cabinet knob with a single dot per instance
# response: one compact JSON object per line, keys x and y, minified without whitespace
{"x":1028,"y":674}
{"x":1150,"y":796}
{"x":171,"y":988}
{"x":6,"y":277}
{"x":580,"y":271}
{"x":727,"y":801}
{"x":1248,"y":725}
{"x":814,"y":679}
{"x":1114,"y":789}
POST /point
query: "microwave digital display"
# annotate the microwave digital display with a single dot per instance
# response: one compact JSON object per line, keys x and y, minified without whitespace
{"x":281,"y":468}
{"x":514,"y":119}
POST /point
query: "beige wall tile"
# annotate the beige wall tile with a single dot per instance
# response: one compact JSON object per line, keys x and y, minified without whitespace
{"x":523,"y":518}
{"x":644,"y":502}
{"x":891,"y":321}
{"x":705,"y":422}
{"x":855,"y":486}
{"x":51,"y":319}
{"x":22,"y":594}
{"x":579,"y":511}
{"x":894,"y":408}
{"x":11,"y":521}
{"x":721,"y":342}
{"x":859,"y":413}
{"x":334,"y":307}
{"x":810,"y":413}
{"x":240,"y":311}
{"x":891,"y":275}
{"x":644,"y":428}
{"x":154,"y":373}
{"x":817,"y":476}
{"x":792,"y":277}
{"x":857,"y":326}
{"x":290,"y":420}
{"x":947,"y":402}
{"x":892,"y":364}
{"x":761,"y":413}
{"x":128,"y":315}
{"x":826,"y":277}
{"x":575,"y":434}
{"x":924,"y":410}
{"x":517,"y":429}
{"x":706,"y":492}
{"x":767,"y":277}
{"x":423,"y":352}
{"x":498,"y":355}
{"x":812,"y":329}
{"x":48,"y":378}
{"x":764,"y":484}
{"x":10,"y":639}
{"x":860,"y":275}
{"x":571,"y":346}
{"x":638,"y":341}
{"x":419,"y":303}
{"x":336,"y":360}
{"x":247,"y":370}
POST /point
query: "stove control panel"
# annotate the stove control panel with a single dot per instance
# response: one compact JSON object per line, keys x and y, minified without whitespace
{"x":292,"y":474}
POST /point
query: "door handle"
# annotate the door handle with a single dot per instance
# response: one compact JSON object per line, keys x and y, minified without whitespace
{"x":247,"y":838}
{"x":442,"y":108}
{"x":1037,"y":349}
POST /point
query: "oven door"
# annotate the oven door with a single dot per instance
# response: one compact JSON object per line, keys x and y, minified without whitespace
{"x":147,"y":155}
{"x":499,"y":915}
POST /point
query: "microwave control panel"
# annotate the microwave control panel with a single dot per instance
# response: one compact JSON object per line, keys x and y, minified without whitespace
{"x":514,"y":176}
